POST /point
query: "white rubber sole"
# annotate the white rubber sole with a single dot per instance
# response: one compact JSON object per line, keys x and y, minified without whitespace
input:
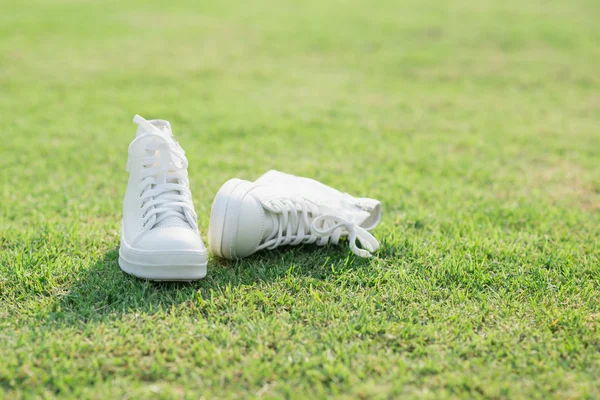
{"x":224,"y":217}
{"x":182,"y":271}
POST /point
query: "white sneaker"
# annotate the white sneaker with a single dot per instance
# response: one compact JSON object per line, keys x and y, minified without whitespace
{"x":280,"y":209}
{"x":159,"y":232}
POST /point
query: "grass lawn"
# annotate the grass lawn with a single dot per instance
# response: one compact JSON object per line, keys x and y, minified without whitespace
{"x":476,"y":123}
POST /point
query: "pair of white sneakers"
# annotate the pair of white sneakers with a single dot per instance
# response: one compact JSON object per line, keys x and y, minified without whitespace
{"x":159,"y":233}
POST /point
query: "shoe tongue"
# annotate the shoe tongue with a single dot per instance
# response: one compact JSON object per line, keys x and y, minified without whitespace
{"x":162,"y":125}
{"x":172,"y":221}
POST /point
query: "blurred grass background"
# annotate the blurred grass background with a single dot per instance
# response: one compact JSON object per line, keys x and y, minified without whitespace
{"x":475,"y":122}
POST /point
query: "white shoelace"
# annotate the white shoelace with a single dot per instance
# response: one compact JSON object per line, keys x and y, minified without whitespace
{"x":164,"y":186}
{"x":327,"y":227}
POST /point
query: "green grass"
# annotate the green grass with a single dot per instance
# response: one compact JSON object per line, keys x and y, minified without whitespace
{"x":476,"y":123}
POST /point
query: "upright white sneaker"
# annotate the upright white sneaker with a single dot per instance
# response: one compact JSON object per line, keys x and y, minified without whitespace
{"x":280,"y":209}
{"x":159,"y":232}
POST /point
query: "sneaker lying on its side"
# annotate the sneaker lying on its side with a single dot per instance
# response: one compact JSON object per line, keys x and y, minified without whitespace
{"x":281,"y":209}
{"x":159,"y":232}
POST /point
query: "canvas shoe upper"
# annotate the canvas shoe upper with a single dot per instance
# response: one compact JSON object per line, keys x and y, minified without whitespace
{"x":159,"y":232}
{"x":367,"y":212}
{"x":280,"y":209}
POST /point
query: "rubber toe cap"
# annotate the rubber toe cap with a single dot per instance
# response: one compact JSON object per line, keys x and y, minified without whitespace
{"x":250,"y":227}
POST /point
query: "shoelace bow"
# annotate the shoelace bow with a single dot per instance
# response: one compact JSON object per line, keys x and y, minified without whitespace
{"x":164,"y":188}
{"x":328,"y":227}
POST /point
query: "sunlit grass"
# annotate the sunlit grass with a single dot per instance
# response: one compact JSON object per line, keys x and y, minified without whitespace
{"x":475,"y":123}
